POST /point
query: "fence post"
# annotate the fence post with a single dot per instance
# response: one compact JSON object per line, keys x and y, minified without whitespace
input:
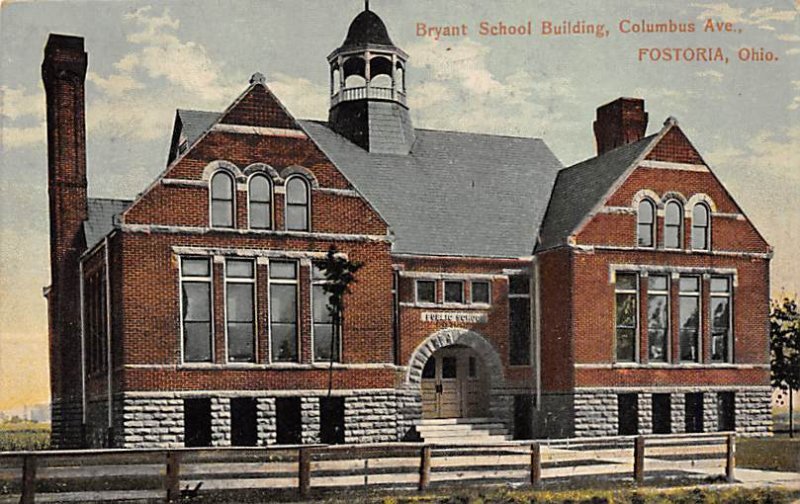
{"x":304,"y":468}
{"x":638,"y":459}
{"x":28,"y":480}
{"x":730,"y":463}
{"x":172,"y":481}
{"x":536,"y":465}
{"x":425,"y":468}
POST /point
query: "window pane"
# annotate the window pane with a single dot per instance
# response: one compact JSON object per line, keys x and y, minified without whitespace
{"x":699,"y":216}
{"x":222,"y":187}
{"x":296,"y":218}
{"x":195,"y":267}
{"x":296,"y":191}
{"x":323,"y":338}
{"x":241,"y":344}
{"x":645,"y":234}
{"x":321,"y":300}
{"x":278,"y":269}
{"x":699,"y":240}
{"x":283,"y":303}
{"x":672,"y":236}
{"x":519,"y":284}
{"x":626,"y":281}
{"x":317,"y":272}
{"x":672,"y":214}
{"x":453,"y":292}
{"x":426,"y":291}
{"x":429,"y":371}
{"x":196,"y":301}
{"x":657,"y":283}
{"x":645,"y":212}
{"x":239,"y":268}
{"x":720,"y":314}
{"x":645,"y":224}
{"x":480,"y":292}
{"x":626,"y":310}
{"x":240,"y":302}
{"x":197,"y":341}
{"x":221,"y":213}
{"x":520,"y":318}
{"x":657,"y":323}
{"x":689,"y":324}
{"x":625,"y":344}
{"x":690,"y":284}
{"x":260,"y":216}
{"x":284,"y":342}
{"x":449,"y":367}
{"x":260,"y":190}
{"x":719,"y":345}
{"x":720,"y":284}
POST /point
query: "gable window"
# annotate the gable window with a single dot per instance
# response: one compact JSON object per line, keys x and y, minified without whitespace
{"x":222,"y":200}
{"x":260,"y":207}
{"x":658,"y":317}
{"x":454,"y":291}
{"x":720,"y":314}
{"x":283,"y":310}
{"x":519,"y":306}
{"x":326,"y":341}
{"x":626,"y":316}
{"x":480,"y":292}
{"x":645,"y":225}
{"x":240,"y":310}
{"x":673,"y":225}
{"x":297,"y":204}
{"x":701,"y":227}
{"x":426,"y":291}
{"x":690,"y":318}
{"x":196,"y":309}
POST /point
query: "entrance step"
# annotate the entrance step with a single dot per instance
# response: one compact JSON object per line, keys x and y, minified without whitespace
{"x":462,"y":431}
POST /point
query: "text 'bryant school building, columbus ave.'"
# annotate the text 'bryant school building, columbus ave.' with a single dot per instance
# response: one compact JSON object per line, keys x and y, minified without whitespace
{"x":627,"y":293}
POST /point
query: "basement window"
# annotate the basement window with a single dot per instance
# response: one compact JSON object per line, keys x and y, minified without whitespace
{"x":694,"y":412}
{"x":628,"y":414}
{"x":244,"y":421}
{"x":197,"y":422}
{"x":662,"y":414}
{"x":288,"y":420}
{"x":523,"y":417}
{"x":726,"y":411}
{"x":331,"y":411}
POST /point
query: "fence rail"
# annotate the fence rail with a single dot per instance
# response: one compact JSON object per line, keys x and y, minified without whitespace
{"x":80,"y":476}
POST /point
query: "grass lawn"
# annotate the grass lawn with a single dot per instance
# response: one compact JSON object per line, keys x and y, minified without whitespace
{"x":20,"y":436}
{"x":779,"y":453}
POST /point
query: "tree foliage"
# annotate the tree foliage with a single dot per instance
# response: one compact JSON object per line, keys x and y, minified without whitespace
{"x":784,"y":330}
{"x":340,"y":273}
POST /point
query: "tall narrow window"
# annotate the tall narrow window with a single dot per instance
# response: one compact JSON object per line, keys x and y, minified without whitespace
{"x":720,"y":319}
{"x":690,"y":318}
{"x":673,"y":225}
{"x":658,"y":317}
{"x":240,"y":310}
{"x":260,"y":197}
{"x":283,"y":310}
{"x":326,"y":342}
{"x":196,"y":309}
{"x":519,"y":304}
{"x":297,"y":204}
{"x":222,"y":200}
{"x":627,"y":309}
{"x":646,"y":223}
{"x":701,"y":226}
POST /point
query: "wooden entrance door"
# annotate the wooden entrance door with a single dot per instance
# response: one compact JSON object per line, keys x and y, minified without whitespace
{"x":451,"y":385}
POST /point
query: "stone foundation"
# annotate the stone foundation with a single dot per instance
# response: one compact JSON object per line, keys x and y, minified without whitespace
{"x":66,"y":424}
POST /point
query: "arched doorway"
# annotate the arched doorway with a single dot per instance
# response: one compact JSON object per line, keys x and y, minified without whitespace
{"x":454,"y":384}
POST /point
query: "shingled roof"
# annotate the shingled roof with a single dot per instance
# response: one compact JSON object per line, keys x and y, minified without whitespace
{"x":101,"y":218}
{"x":456,"y":193}
{"x":580,"y":187}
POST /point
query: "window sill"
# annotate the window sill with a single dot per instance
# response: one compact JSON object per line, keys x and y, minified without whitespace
{"x":446,"y":306}
{"x":671,"y":366}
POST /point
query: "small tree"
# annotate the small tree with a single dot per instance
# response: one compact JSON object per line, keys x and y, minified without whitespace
{"x":340,"y":273}
{"x":784,"y":331}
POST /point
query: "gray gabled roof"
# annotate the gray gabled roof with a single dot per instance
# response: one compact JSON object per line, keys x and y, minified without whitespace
{"x":101,"y":218}
{"x":456,"y":193}
{"x":580,"y":187}
{"x":196,"y":122}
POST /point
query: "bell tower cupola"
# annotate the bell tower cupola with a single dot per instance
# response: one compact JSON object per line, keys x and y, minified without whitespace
{"x":368,"y":88}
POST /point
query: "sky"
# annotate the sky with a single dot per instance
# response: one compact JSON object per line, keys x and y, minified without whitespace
{"x":147,"y":58}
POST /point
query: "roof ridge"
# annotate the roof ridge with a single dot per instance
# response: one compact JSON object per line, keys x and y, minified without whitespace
{"x":606,"y":153}
{"x":517,"y":137}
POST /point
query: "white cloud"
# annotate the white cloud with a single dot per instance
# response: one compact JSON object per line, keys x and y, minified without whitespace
{"x":768,"y":153}
{"x":759,"y":17}
{"x":793,"y":51}
{"x":17,"y":102}
{"x":17,"y":137}
{"x":303,"y":98}
{"x":115,"y":85}
{"x":795,"y":104}
{"x":711,"y":74}
{"x":789,"y":37}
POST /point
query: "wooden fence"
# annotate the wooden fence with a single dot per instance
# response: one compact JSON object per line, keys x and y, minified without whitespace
{"x":92,"y":475}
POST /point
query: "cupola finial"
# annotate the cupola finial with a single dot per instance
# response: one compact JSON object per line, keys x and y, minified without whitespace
{"x":366,"y":5}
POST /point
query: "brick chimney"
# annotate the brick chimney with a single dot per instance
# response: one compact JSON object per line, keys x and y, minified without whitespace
{"x":619,"y":122}
{"x":64,"y":73}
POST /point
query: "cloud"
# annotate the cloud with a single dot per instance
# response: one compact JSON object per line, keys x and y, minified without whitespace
{"x":772,"y":153}
{"x":711,"y":74}
{"x":18,"y":109}
{"x":17,"y":102}
{"x":115,"y":85}
{"x":795,"y":104}
{"x":759,"y":17}
{"x":303,"y":98}
{"x":789,"y":37}
{"x":793,"y":51}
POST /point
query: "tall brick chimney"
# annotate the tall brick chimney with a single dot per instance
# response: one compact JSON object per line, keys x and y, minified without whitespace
{"x":619,"y":122}
{"x":64,"y":74}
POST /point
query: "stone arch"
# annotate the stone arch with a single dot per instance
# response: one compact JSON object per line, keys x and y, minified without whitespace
{"x":455,"y":336}
{"x":263,"y":168}
{"x":700,"y":198}
{"x":300,"y":170}
{"x":221,"y":164}
{"x":645,"y":194}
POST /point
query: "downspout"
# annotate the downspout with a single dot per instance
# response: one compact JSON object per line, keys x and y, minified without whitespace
{"x":108,"y":333}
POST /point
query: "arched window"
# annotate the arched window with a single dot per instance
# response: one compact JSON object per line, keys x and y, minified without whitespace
{"x":260,"y":207}
{"x":673,"y":225}
{"x":222,"y":200}
{"x":297,"y":204}
{"x":645,"y":223}
{"x":701,"y":228}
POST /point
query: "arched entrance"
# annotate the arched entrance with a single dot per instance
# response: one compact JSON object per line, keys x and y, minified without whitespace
{"x":453,"y":384}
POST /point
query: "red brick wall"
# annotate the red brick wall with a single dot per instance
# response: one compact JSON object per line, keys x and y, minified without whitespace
{"x":557,"y":319}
